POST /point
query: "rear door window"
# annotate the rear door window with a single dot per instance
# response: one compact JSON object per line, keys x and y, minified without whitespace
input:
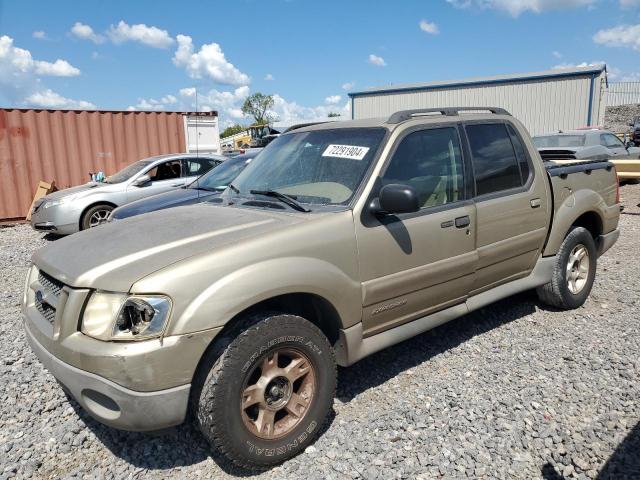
{"x":495,"y":165}
{"x":198,"y":166}
{"x":521,"y":154}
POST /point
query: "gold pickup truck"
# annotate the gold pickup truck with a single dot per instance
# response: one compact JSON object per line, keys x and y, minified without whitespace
{"x":338,"y":240}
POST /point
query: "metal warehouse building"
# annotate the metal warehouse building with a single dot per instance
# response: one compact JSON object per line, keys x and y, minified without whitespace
{"x":543,"y":101}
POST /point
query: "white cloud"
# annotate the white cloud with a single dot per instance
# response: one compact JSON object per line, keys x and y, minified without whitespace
{"x":229,"y":105}
{"x":620,"y":36}
{"x":429,"y":27}
{"x":40,"y":35}
{"x":149,"y":36}
{"x":85,"y":32}
{"x":517,"y":7}
{"x":629,"y":3}
{"x":20,"y":82}
{"x":153,"y":104}
{"x":292,"y":112}
{"x":19,"y":61}
{"x":269,"y":77}
{"x":556,"y":54}
{"x":59,"y":68}
{"x":50,"y":99}
{"x":376,"y":60}
{"x":562,"y":66}
{"x":208,"y":62}
{"x":333,"y":99}
{"x":348,"y":85}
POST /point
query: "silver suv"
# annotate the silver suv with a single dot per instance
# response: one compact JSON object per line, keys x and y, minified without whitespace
{"x":78,"y":208}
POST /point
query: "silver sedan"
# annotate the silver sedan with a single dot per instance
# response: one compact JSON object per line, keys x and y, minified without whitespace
{"x":78,"y":208}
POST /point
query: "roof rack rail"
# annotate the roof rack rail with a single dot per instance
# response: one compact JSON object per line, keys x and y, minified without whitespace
{"x":404,"y":115}
{"x":302,"y":125}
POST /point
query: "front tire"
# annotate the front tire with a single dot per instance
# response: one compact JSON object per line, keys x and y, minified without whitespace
{"x":269,"y":391}
{"x":96,"y":215}
{"x":573,"y":273}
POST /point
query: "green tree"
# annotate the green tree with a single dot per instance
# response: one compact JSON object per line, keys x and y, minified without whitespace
{"x":333,"y":115}
{"x":257,"y":105}
{"x":232,"y":130}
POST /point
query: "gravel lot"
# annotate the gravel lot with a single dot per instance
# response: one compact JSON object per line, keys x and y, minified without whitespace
{"x":514,"y":390}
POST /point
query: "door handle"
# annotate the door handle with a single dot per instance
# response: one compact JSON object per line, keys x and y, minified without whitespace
{"x":535,"y":203}
{"x":462,"y":222}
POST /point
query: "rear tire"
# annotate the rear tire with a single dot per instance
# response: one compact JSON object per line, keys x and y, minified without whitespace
{"x":264,"y":394}
{"x":96,"y":215}
{"x":574,"y":272}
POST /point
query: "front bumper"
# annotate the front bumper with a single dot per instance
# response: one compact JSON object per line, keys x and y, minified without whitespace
{"x":142,"y":385}
{"x":113,"y":404}
{"x":61,"y":219}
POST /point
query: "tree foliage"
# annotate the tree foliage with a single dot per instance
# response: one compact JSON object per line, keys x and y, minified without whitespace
{"x":232,"y":130}
{"x":257,"y":105}
{"x":333,"y":115}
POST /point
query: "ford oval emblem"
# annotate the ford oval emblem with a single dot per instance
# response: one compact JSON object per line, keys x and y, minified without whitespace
{"x":39,"y":296}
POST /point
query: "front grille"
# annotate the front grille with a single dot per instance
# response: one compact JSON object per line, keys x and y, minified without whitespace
{"x":43,"y":301}
{"x":51,"y":284}
{"x":47,"y":311}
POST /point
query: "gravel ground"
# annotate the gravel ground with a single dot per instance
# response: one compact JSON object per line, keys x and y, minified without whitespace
{"x":514,"y":390}
{"x":617,"y":118}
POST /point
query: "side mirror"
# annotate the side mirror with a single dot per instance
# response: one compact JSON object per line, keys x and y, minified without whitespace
{"x":142,"y":181}
{"x":396,"y":199}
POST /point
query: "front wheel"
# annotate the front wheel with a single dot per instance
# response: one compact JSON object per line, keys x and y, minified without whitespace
{"x":268,"y":393}
{"x":96,"y":215}
{"x":573,"y":273}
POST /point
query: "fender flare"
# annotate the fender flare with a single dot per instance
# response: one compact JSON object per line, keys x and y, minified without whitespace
{"x":236,"y":292}
{"x":575,"y":205}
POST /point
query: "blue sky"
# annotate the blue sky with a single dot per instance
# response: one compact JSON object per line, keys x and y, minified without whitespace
{"x":310,"y":54}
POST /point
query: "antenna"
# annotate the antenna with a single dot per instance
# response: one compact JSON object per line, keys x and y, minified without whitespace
{"x":197,"y":134}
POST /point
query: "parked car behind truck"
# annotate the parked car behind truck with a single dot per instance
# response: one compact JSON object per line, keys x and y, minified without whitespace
{"x":203,"y":189}
{"x":579,"y":145}
{"x":339,"y":240}
{"x":79,"y":208}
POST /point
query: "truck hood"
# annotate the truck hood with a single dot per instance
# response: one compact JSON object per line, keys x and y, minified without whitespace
{"x":174,"y":198}
{"x":114,"y":256}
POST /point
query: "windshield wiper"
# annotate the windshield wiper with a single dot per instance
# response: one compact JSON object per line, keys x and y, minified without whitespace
{"x":283,"y":197}
{"x":233,"y":187}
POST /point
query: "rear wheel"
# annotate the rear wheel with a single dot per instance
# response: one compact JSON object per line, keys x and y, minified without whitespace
{"x":268,"y":391}
{"x":574,"y":272}
{"x":96,"y":215}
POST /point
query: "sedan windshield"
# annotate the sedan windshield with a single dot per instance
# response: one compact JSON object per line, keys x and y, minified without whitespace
{"x":222,"y":175}
{"x":316,"y":167}
{"x":128,"y":172}
{"x":550,"y":141}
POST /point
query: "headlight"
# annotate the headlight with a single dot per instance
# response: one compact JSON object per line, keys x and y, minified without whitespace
{"x":116,"y":316}
{"x":58,"y":201}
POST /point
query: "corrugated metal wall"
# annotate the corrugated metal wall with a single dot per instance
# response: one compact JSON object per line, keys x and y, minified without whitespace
{"x":544,"y":105}
{"x":64,"y":146}
{"x":623,"y":93}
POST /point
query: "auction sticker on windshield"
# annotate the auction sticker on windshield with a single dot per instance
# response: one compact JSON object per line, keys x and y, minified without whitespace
{"x":352,"y":152}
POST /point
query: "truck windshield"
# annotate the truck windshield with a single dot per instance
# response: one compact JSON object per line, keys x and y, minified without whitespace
{"x":127,"y":172}
{"x":564,"y":141}
{"x":317,"y":167}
